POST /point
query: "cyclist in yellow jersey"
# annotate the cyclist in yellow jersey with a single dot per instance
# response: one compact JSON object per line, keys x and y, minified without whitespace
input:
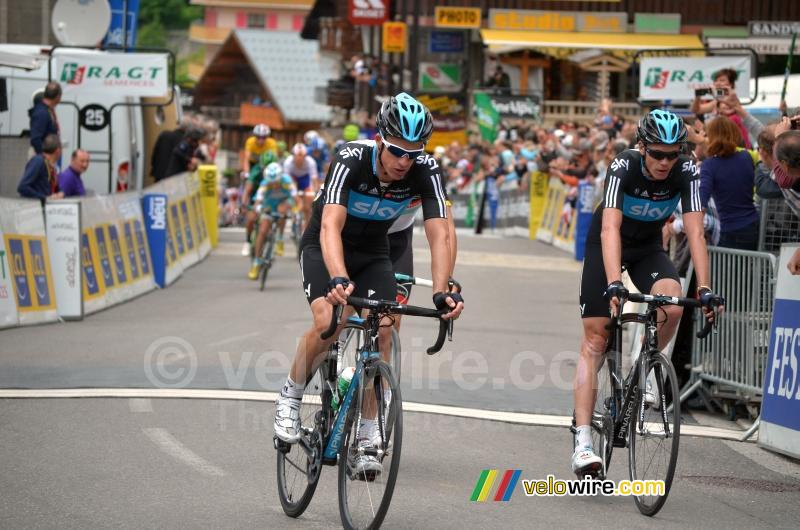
{"x":254,"y":149}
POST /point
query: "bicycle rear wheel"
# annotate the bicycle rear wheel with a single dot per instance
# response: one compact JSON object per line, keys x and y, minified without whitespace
{"x":368,"y":471}
{"x":655,"y":433}
{"x":299,"y":467}
{"x":604,"y":412}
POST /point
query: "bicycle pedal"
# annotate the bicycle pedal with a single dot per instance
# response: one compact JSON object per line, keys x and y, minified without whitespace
{"x":280,"y":445}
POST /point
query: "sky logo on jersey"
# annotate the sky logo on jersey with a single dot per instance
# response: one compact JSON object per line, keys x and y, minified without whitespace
{"x":647,"y":210}
{"x":368,"y":207}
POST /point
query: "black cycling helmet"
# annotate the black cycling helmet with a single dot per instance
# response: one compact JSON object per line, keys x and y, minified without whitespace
{"x":661,"y":127}
{"x":404,"y":117}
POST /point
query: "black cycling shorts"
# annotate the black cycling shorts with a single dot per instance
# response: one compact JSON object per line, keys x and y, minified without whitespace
{"x":401,"y":253}
{"x":645,"y":265}
{"x":372,"y":273}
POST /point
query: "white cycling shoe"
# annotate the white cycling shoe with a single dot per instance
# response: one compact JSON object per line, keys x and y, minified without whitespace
{"x":287,"y":419}
{"x":585,"y":462}
{"x":363,"y":466}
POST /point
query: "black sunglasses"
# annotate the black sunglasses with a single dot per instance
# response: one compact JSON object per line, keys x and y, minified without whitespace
{"x":655,"y":154}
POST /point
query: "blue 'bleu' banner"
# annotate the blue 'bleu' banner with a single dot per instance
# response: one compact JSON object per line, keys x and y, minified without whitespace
{"x":114,"y":37}
{"x":154,"y":208}
{"x":583,"y":216}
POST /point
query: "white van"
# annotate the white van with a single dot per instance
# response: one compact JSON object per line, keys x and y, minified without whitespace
{"x":119,"y":145}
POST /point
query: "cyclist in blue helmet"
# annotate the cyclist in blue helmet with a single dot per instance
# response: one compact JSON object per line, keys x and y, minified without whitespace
{"x":345,"y":248}
{"x":642,"y":188}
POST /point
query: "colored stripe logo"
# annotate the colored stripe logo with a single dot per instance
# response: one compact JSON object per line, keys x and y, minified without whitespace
{"x":505,"y":488}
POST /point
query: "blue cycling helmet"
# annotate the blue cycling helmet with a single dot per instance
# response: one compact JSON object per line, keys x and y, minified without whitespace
{"x":272,"y":173}
{"x":404,"y":117}
{"x":661,"y":127}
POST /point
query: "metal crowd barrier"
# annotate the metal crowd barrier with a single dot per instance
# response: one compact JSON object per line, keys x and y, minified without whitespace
{"x":734,"y":358}
{"x":779,"y":224}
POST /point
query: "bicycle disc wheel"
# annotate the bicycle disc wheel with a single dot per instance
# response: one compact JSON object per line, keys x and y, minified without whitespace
{"x":368,"y":471}
{"x":299,"y":467}
{"x":653,"y":440}
{"x":604,"y":411}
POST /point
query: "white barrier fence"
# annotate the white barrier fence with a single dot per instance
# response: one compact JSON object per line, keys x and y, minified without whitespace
{"x":76,"y":257}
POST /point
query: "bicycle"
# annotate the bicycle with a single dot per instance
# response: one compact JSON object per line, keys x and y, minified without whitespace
{"x":268,"y":251}
{"x":331,"y":437}
{"x":297,"y":224}
{"x":622,"y":415}
{"x":349,"y":342}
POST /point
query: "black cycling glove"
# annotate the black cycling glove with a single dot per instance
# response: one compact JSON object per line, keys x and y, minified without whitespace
{"x":440,"y":300}
{"x":338,"y":280}
{"x":708,"y":298}
{"x":616,"y":290}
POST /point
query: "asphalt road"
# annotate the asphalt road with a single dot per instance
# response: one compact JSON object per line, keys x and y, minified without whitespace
{"x":141,"y":462}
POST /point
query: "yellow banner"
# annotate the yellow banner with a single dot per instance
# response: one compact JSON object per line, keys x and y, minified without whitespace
{"x":93,"y":284}
{"x":538,"y":196}
{"x":457,"y":17}
{"x":29,"y":265}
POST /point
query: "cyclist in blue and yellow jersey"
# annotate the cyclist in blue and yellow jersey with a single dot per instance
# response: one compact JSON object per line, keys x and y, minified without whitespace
{"x":276,"y":194}
{"x":259,"y":151}
{"x":642,"y":188}
{"x":345,"y":249}
{"x":318,"y":150}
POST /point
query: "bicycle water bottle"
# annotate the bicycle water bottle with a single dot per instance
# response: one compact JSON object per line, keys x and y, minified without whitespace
{"x":342,"y":385}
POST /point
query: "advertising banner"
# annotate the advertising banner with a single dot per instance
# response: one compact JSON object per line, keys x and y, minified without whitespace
{"x":367,"y":12}
{"x":435,"y":77}
{"x":115,"y":36}
{"x":154,"y":207}
{"x":446,"y":42}
{"x":127,"y":74}
{"x":517,"y":107}
{"x":538,"y":196}
{"x":394,"y":37}
{"x":449,"y":118}
{"x":780,"y":407}
{"x":8,"y":306}
{"x":457,"y":17}
{"x":676,"y":78}
{"x":63,"y":220}
{"x":210,"y":202}
{"x":583,"y":217}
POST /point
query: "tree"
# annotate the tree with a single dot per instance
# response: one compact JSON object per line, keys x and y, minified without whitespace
{"x":158,"y":16}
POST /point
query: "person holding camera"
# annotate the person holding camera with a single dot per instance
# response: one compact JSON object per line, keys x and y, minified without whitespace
{"x":723,"y":88}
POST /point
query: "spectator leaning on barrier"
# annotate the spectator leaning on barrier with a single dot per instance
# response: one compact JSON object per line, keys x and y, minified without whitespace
{"x":184,"y":156}
{"x":165,"y":144}
{"x":69,"y":180}
{"x":727,"y":175}
{"x":43,"y":119}
{"x":39,"y":180}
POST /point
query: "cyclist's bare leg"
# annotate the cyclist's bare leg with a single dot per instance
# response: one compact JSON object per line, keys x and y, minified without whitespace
{"x":263,"y":232}
{"x":593,"y":345}
{"x":283,"y":209}
{"x":250,"y":223}
{"x":310,"y":345}
{"x":666,"y":329}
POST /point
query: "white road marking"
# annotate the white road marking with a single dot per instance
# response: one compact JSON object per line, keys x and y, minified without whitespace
{"x":170,"y":445}
{"x":544,"y":420}
{"x":140,"y":405}
{"x":233,"y":339}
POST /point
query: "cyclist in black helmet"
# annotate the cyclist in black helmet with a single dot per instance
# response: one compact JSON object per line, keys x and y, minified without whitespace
{"x":642,"y":189}
{"x":345,"y":249}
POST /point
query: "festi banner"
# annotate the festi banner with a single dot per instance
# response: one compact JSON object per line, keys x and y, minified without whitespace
{"x":780,"y":406}
{"x":676,"y":78}
{"x":538,"y":197}
{"x":154,"y":208}
{"x":127,"y":74}
{"x":210,"y":202}
{"x":63,"y":222}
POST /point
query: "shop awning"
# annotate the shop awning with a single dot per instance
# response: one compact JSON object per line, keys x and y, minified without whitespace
{"x":563,"y":43}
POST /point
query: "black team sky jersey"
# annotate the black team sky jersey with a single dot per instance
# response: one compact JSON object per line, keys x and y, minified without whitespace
{"x":646,"y":203}
{"x":371,"y":208}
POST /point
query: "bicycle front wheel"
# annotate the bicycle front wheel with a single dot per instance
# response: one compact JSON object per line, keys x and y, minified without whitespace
{"x":351,"y":340}
{"x":655,"y":434}
{"x":267,"y":258}
{"x":300,"y":464}
{"x":370,"y":455}
{"x":604,"y":412}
